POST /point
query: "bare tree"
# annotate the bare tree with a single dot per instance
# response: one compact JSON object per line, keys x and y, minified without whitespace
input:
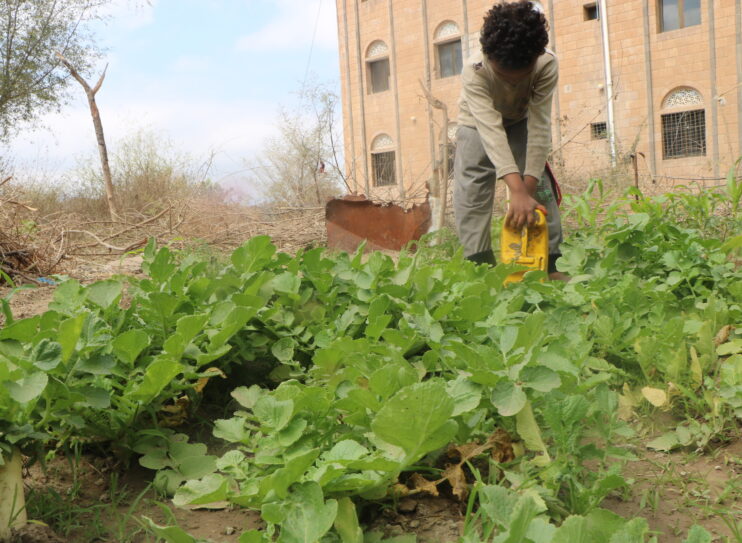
{"x":98,"y":125}
{"x":301,"y":166}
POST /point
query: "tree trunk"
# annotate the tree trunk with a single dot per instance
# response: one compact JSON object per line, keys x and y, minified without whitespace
{"x":98,"y":125}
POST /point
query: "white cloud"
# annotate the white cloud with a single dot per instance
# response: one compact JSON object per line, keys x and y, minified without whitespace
{"x":294,"y":27}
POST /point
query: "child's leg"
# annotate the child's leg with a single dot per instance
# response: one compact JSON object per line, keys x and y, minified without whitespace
{"x":518,"y":140}
{"x":474,"y":186}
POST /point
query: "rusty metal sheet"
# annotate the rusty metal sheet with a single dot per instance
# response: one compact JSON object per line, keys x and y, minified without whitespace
{"x":353,"y":219}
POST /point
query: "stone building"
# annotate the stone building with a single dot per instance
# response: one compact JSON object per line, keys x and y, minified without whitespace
{"x":674,"y":74}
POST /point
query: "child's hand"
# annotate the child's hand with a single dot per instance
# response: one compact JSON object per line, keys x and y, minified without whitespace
{"x":522,"y":210}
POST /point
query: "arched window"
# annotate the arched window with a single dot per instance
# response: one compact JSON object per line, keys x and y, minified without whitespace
{"x":378,"y":70}
{"x":683,"y":124}
{"x":447,"y":40}
{"x":383,"y":164}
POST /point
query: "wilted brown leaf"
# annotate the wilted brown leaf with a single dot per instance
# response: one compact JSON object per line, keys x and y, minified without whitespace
{"x":201,"y":383}
{"x":723,"y":335}
{"x":456,"y":477}
{"x":421,"y":484}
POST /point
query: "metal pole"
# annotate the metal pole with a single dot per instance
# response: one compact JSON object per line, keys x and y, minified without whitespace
{"x":603,"y":13}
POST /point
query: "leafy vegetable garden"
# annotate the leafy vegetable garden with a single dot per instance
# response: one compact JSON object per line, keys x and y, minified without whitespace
{"x":356,"y":381}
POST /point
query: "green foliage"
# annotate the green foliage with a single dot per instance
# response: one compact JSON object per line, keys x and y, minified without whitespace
{"x":355,"y":371}
{"x":31,"y":81}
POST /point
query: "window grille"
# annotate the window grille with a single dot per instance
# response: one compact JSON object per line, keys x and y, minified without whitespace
{"x":598,"y":131}
{"x":384,"y":168}
{"x":447,"y":29}
{"x":684,"y":134}
{"x":450,"y":61}
{"x":378,"y":75}
{"x":685,"y":97}
{"x":675,"y":14}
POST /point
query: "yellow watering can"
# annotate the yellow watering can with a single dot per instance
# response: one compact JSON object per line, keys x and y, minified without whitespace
{"x":528,"y":247}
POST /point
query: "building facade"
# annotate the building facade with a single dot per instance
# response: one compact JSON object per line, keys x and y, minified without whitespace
{"x":670,"y":69}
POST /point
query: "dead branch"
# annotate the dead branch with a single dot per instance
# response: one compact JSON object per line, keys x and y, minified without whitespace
{"x":98,"y":125}
{"x":441,"y":165}
{"x":96,"y":238}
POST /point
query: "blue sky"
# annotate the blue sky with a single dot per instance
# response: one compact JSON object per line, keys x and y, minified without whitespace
{"x":210,"y":75}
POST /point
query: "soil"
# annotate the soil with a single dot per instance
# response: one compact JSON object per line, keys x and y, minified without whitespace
{"x":673,"y":491}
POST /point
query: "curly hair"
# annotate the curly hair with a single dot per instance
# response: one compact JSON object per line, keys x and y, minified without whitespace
{"x":514,"y":34}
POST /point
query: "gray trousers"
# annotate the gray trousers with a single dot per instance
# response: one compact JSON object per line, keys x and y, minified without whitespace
{"x":474,"y":189}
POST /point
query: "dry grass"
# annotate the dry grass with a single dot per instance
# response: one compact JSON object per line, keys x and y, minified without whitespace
{"x":41,"y":234}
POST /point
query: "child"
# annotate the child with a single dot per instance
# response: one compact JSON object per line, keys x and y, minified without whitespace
{"x":505,"y":129}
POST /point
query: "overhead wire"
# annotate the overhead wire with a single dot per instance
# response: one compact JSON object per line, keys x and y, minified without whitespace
{"x":311,"y":45}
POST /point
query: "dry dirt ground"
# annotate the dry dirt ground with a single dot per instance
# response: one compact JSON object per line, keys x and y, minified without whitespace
{"x":673,"y":491}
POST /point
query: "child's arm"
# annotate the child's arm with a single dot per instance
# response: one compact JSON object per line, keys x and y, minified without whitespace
{"x":495,"y":142}
{"x":539,"y":122}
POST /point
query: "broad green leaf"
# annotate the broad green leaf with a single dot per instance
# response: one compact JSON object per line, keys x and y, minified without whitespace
{"x":574,"y":530}
{"x":273,"y":513}
{"x":69,"y":334}
{"x":253,"y":255}
{"x":602,"y":524}
{"x":22,"y":330}
{"x":529,"y":431}
{"x":508,"y":398}
{"x":209,"y":490}
{"x":47,"y":355}
{"x":540,"y":378}
{"x":191,"y":325}
{"x":247,"y":397}
{"x":171,"y":534}
{"x":161,"y":267}
{"x":283,"y":349}
{"x":346,"y":450}
{"x":286,"y":283}
{"x":29,"y":388}
{"x":252,"y":536}
{"x":731,"y":370}
{"x":634,"y":531}
{"x":540,"y":531}
{"x":159,"y":374}
{"x":665,"y":442}
{"x":346,"y":522}
{"x":195,"y":467}
{"x":417,"y":419}
{"x":98,"y":398}
{"x":309,"y":516}
{"x":294,"y":470}
{"x":730,"y":347}
{"x":524,"y":512}
{"x":498,"y":503}
{"x":104,"y":294}
{"x":96,"y":364}
{"x":273,"y":414}
{"x":466,"y":395}
{"x":392,"y":377}
{"x":232,"y":430}
{"x":698,"y":534}
{"x":129,"y":345}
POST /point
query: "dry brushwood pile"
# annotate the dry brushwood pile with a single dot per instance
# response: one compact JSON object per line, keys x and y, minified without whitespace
{"x":34,"y":244}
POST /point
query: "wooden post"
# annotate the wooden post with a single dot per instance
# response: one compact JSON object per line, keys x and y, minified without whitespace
{"x":98,"y":125}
